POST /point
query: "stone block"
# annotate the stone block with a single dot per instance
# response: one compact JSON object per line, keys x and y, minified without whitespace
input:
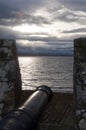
{"x":7,"y":49}
{"x":7,"y":43}
{"x":7,"y":96}
{"x":7,"y":71}
{"x":80,"y":81}
{"x":10,"y":78}
{"x":80,"y":72}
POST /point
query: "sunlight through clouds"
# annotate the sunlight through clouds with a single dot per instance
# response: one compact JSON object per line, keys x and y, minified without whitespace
{"x":25,"y":28}
{"x":40,"y":23}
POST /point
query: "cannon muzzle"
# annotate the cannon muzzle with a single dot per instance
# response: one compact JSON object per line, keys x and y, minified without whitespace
{"x":26,"y":117}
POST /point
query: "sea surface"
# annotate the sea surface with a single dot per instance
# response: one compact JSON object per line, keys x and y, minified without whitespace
{"x":54,"y":71}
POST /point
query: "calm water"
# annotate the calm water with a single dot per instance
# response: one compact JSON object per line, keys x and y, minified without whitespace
{"x":56,"y":72}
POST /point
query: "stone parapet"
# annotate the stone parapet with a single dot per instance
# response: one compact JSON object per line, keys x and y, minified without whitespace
{"x":10,"y":78}
{"x":80,"y":82}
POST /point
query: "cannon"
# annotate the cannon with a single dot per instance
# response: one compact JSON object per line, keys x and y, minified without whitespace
{"x":27,"y":116}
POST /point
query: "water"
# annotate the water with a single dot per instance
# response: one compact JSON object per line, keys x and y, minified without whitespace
{"x":56,"y":72}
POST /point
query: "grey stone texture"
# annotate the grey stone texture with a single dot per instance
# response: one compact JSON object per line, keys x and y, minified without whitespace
{"x":80,"y":82}
{"x":10,"y":78}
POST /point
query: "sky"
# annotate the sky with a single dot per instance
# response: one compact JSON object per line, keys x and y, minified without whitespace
{"x":43,"y":25}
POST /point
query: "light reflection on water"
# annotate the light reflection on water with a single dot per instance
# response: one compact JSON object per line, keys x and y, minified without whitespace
{"x":56,"y":72}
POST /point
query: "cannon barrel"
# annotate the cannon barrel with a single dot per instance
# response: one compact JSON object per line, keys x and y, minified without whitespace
{"x":26,"y":117}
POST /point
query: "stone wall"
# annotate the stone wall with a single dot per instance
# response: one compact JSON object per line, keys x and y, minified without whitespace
{"x":10,"y":78}
{"x":80,"y":82}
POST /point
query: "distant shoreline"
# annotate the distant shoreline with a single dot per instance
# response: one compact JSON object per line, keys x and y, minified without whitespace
{"x":43,"y":55}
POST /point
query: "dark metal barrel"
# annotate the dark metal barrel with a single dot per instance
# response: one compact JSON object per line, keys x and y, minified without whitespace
{"x":26,"y":117}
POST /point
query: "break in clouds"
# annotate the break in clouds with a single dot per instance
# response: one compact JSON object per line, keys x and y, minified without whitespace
{"x":43,"y":25}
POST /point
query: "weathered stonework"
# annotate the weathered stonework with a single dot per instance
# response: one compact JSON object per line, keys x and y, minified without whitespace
{"x":10,"y":79}
{"x":7,"y":49}
{"x":80,"y":82}
{"x":7,"y":70}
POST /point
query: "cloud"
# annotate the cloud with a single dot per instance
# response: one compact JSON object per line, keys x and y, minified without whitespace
{"x":6,"y":33}
{"x":67,"y":15}
{"x":74,"y":4}
{"x":50,"y":24}
{"x":79,"y":30}
{"x":31,"y":19}
{"x":11,"y":7}
{"x":44,"y":48}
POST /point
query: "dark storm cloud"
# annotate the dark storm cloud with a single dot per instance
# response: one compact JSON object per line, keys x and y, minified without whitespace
{"x":7,"y":33}
{"x":31,"y":19}
{"x":10,"y":8}
{"x":79,"y":30}
{"x":74,"y":4}
{"x":10,"y":22}
{"x":67,"y":15}
{"x":39,"y":20}
{"x":48,"y":49}
{"x":23,"y":10}
{"x":70,"y":17}
{"x":45,"y":39}
{"x":16,"y":12}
